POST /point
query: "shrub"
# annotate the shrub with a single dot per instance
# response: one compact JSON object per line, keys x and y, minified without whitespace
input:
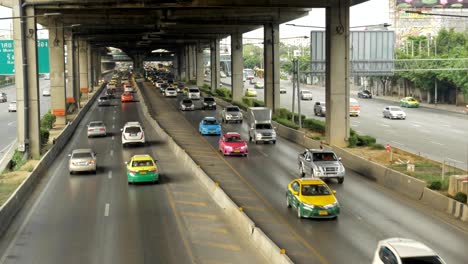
{"x":282,"y":113}
{"x":435,"y":185}
{"x":314,"y":124}
{"x":48,"y":120}
{"x":223,"y":92}
{"x":286,"y":122}
{"x":352,"y":140}
{"x":206,"y":87}
{"x":247,"y":101}
{"x":461,"y":197}
{"x":44,"y":136}
{"x":241,"y":105}
{"x":192,"y":82}
{"x":378,"y":146}
{"x":365,"y":140}
{"x":17,"y":160}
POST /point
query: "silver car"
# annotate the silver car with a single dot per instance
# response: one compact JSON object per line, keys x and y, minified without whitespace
{"x":320,"y":109}
{"x":82,"y":160}
{"x":393,"y":112}
{"x":306,"y":95}
{"x":96,"y":128}
{"x":170,"y":92}
{"x":186,"y":105}
{"x":104,"y":101}
{"x":231,"y":113}
{"x":194,"y":93}
{"x":3,"y":97}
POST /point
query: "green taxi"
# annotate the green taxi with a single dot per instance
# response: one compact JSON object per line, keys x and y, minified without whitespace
{"x":142,"y":168}
{"x":409,"y":102}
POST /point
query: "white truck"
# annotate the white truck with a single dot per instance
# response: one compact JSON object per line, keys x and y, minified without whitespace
{"x":261,"y":129}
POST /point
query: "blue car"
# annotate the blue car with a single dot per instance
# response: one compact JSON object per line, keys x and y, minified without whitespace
{"x":209,"y":126}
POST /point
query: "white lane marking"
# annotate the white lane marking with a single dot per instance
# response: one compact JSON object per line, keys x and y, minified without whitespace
{"x":112,"y":152}
{"x":445,"y":125}
{"x":416,"y":125}
{"x":113,"y":126}
{"x":113,"y":137}
{"x":263,"y":153}
{"x":437,"y":143}
{"x":113,"y":118}
{"x":416,"y":122}
{"x":355,"y":125}
{"x":384,"y":125}
{"x":457,"y":161}
{"x":106,"y":210}
{"x":109,"y":174}
{"x":357,"y":122}
{"x":11,"y":123}
{"x":397,"y":143}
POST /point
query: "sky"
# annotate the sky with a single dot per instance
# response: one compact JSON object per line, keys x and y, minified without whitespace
{"x":368,"y":13}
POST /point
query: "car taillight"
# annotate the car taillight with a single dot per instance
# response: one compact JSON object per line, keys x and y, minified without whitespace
{"x":142,"y":135}
{"x":91,"y":162}
{"x":133,"y":171}
{"x":90,"y":129}
{"x":102,"y":129}
{"x":153,"y":170}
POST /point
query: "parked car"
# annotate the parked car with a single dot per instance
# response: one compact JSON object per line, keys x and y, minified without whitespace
{"x":194,"y":93}
{"x":259,"y":85}
{"x":209,"y":126}
{"x":126,"y":97}
{"x":231,"y":143}
{"x":231,"y":113}
{"x":132,"y":133}
{"x":104,"y":101}
{"x":306,"y":95}
{"x":46,"y":92}
{"x":12,"y":106}
{"x":250,"y":92}
{"x":403,"y":250}
{"x":3,"y":97}
{"x":393,"y":112}
{"x":409,"y":102}
{"x":96,"y":128}
{"x":186,"y":105}
{"x":364,"y":94}
{"x":142,"y":168}
{"x":312,"y":198}
{"x":319,"y":163}
{"x":209,"y":103}
{"x":320,"y":109}
{"x":170,"y":92}
{"x":82,"y":160}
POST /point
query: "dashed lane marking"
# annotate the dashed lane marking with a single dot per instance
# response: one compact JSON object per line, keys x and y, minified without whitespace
{"x":106,"y":210}
{"x":232,"y":247}
{"x":191,"y":203}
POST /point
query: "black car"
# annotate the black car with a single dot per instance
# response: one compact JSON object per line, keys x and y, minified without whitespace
{"x":104,"y":101}
{"x":110,"y":93}
{"x":209,"y":103}
{"x":364,"y":94}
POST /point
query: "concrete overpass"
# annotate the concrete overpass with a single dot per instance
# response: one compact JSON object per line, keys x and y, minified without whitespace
{"x":184,"y":28}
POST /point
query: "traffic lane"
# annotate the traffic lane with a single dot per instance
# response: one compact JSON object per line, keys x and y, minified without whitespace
{"x":370,"y":212}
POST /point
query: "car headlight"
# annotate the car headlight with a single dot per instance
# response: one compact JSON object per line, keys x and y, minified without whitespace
{"x":205,"y":103}
{"x":308,"y":206}
{"x":240,"y":115}
{"x":333,"y":205}
{"x":258,"y":136}
{"x":228,"y":148}
{"x":341,"y":169}
{"x":214,"y":103}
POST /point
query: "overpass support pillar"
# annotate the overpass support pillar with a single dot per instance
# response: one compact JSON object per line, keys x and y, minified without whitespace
{"x":271,"y":62}
{"x":138,"y":61}
{"x":237,"y":66}
{"x":215,"y":64}
{"x":83,"y":65}
{"x":27,"y":84}
{"x":337,"y":73}
{"x":69,"y":75}
{"x":57,"y":73}
{"x":76,"y":71}
{"x":200,"y":66}
{"x":193,"y":62}
{"x":175,"y":66}
{"x":90,"y":66}
{"x":182,"y":63}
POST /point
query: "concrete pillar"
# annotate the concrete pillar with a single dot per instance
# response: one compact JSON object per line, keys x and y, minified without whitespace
{"x":187,"y":62}
{"x":193,"y":62}
{"x":200,"y":66}
{"x":57,"y":72}
{"x":237,"y":66}
{"x":272,"y":68}
{"x":27,"y":84}
{"x":76,"y":70}
{"x":70,"y":88}
{"x":337,"y":74}
{"x":83,"y":62}
{"x":215,"y":61}
{"x":175,"y":66}
{"x":182,"y":64}
{"x":90,"y":67}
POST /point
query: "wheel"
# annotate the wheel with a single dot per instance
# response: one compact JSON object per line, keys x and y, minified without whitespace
{"x":299,"y":213}
{"x":315,"y":113}
{"x":287,"y":202}
{"x":71,"y":172}
{"x":274,"y":142}
{"x":341,"y":180}
{"x":240,"y":121}
{"x":222,"y":120}
{"x":250,"y":139}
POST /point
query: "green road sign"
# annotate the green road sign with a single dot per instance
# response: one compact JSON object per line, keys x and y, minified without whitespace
{"x":7,"y":58}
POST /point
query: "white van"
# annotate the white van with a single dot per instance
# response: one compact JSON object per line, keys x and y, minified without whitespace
{"x":354,"y":107}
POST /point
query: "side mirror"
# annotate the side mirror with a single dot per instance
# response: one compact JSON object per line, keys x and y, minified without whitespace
{"x":333,"y":191}
{"x":307,"y":159}
{"x":69,"y":155}
{"x":121,"y":129}
{"x":126,"y":162}
{"x":339,"y":158}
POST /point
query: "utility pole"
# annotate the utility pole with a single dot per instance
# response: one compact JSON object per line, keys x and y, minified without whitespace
{"x":435,"y":91}
{"x":294,"y":88}
{"x":298,"y":93}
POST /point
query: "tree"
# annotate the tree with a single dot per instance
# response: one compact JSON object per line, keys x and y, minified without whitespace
{"x":253,"y":56}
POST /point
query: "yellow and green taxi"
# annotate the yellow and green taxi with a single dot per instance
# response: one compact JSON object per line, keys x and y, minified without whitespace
{"x":312,"y":198}
{"x":249,"y":92}
{"x":409,"y":102}
{"x":142,"y":168}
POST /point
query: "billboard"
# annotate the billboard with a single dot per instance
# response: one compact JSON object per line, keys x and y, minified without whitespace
{"x":7,"y":58}
{"x":432,"y":3}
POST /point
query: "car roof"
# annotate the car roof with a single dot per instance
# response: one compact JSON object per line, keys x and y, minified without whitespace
{"x":320,"y":150}
{"x":142,"y":157}
{"x":96,"y":121}
{"x":311,"y":181}
{"x":406,"y":247}
{"x":232,"y":134}
{"x":133,"y":123}
{"x":209,"y":118}
{"x":81,"y":151}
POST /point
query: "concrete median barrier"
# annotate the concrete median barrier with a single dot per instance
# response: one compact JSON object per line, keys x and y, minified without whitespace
{"x":247,"y":227}
{"x":435,"y":200}
{"x":16,"y":201}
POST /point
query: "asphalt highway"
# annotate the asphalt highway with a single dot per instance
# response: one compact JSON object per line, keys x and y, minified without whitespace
{"x":258,"y":183}
{"x":86,"y":218}
{"x":432,"y":133}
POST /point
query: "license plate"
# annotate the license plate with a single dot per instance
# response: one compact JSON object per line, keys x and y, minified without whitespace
{"x":142,"y":172}
{"x":236,"y":150}
{"x":323,"y":212}
{"x":211,"y":131}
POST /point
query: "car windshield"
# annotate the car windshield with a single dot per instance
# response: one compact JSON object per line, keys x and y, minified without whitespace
{"x":306,"y":92}
{"x":170,"y":89}
{"x":234,"y":139}
{"x":210,"y":122}
{"x":209,"y":99}
{"x":232,"y":109}
{"x":142,"y":163}
{"x":164,"y":85}
{"x":187,"y":101}
{"x":96,"y":124}
{"x":422,"y":260}
{"x":315,"y":189}
{"x":263,"y":126}
{"x":193,"y":90}
{"x":85,"y":155}
{"x":103,"y":98}
{"x":395,"y":109}
{"x":324,"y":156}
{"x":133,"y":130}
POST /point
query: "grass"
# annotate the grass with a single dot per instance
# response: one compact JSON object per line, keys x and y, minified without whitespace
{"x":6,"y":189}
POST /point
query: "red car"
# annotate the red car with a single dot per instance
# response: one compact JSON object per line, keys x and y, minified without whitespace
{"x":126,"y":97}
{"x":232,"y":143}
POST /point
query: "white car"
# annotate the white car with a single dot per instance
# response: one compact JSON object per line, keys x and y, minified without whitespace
{"x":186,"y":105}
{"x":12,"y":106}
{"x":194,"y":93}
{"x":306,"y":95}
{"x":46,"y":92}
{"x":404,"y":250}
{"x":170,"y":92}
{"x":128,"y":89}
{"x":393,"y":112}
{"x":132,"y":133}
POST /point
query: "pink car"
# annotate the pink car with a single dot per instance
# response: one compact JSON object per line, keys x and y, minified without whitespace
{"x":232,"y":143}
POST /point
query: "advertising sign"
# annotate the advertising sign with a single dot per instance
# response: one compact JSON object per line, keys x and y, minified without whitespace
{"x":7,"y":58}
{"x":432,"y":3}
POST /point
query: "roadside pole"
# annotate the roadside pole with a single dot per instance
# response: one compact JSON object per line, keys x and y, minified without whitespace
{"x":298,"y":92}
{"x":294,"y":89}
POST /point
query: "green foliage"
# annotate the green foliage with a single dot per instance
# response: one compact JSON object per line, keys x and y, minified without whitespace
{"x":44,"y":136}
{"x":192,"y":82}
{"x":352,"y":140}
{"x":17,"y":160}
{"x":461,"y":197}
{"x":304,"y":64}
{"x":252,"y":102}
{"x":365,"y":140}
{"x":435,"y":185}
{"x":48,"y":120}
{"x":253,"y":56}
{"x":286,"y":122}
{"x":377,"y":146}
{"x":242,"y":105}
{"x":224,"y":93}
